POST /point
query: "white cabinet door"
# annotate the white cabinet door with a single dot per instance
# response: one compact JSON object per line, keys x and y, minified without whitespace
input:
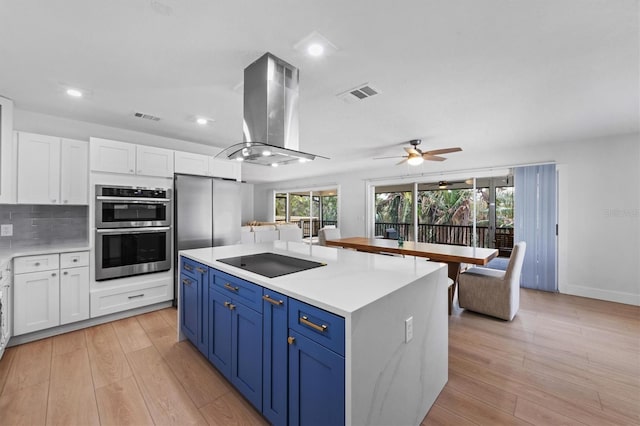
{"x":7,"y":153}
{"x":152,"y":161}
{"x":74,"y":172}
{"x":224,"y":168}
{"x":38,"y":169}
{"x":36,"y":301}
{"x":112,"y":156}
{"x":74,"y":294}
{"x":193,"y":164}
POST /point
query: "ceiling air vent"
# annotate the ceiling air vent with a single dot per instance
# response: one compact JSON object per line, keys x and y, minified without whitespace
{"x":146,"y":116}
{"x":359,"y":93}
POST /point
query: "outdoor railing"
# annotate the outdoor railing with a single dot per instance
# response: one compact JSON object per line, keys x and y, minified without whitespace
{"x":448,"y":234}
{"x":317,"y":224}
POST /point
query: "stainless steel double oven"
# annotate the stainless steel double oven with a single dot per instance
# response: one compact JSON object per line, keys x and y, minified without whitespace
{"x":133,"y":231}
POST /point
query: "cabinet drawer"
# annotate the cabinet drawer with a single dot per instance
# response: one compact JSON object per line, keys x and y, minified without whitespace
{"x":45,"y":262}
{"x":318,"y":325}
{"x":192,"y":268}
{"x":74,"y":260}
{"x":108,"y":302}
{"x":242,"y":291}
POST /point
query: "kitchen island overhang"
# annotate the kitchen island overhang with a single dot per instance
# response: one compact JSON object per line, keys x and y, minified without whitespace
{"x":387,"y":379}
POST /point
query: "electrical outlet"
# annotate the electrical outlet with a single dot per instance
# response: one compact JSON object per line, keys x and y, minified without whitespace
{"x":6,"y":230}
{"x":408,"y":329}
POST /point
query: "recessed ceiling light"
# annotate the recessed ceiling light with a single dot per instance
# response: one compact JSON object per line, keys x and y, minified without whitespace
{"x":239,"y":158}
{"x":315,"y":44}
{"x":302,"y":160}
{"x":74,"y":93}
{"x":266,"y":153}
{"x":274,"y":164}
{"x":315,"y":49}
{"x":201,"y":121}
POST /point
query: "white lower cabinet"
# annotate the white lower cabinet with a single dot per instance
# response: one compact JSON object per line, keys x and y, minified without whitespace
{"x":50,"y":290}
{"x":36,"y":301}
{"x":74,"y":294}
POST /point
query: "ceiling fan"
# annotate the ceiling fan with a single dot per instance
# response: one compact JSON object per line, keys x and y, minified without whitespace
{"x":416,"y":156}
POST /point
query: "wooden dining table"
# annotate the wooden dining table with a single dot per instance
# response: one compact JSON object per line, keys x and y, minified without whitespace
{"x":452,"y":255}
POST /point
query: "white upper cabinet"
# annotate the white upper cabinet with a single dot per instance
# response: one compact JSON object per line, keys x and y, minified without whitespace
{"x":190,"y":163}
{"x":38,"y":169}
{"x":224,"y":168}
{"x":74,"y":172}
{"x":7,"y":153}
{"x":204,"y":165}
{"x":51,"y":170}
{"x":128,"y":158}
{"x":151,"y":161}
{"x":112,"y":156}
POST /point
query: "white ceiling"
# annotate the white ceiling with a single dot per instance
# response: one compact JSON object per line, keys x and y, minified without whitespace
{"x":479,"y":74}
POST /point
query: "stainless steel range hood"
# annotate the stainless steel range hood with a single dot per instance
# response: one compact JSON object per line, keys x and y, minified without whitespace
{"x":270,"y":125}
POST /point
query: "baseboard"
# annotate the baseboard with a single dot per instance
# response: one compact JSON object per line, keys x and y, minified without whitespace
{"x":37,"y":335}
{"x":597,"y":293}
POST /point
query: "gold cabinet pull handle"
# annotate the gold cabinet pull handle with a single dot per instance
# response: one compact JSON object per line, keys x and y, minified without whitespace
{"x":229,"y":305}
{"x":187,"y":267}
{"x":304,"y":320}
{"x":290,"y":340}
{"x":186,"y":282}
{"x":202,"y":271}
{"x":230,"y":287}
{"x":270,"y":300}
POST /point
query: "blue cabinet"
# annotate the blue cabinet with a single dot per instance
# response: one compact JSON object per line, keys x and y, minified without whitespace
{"x":275,"y":359}
{"x":189,"y":307}
{"x":194,"y":287}
{"x":316,"y":383}
{"x":220,"y":332}
{"x":235,"y":337}
{"x":285,"y":356}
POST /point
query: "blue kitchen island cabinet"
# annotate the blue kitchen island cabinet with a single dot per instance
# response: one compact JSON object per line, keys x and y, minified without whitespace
{"x":194,"y":285}
{"x":316,"y":383}
{"x":235,"y":333}
{"x":336,"y":351}
{"x":275,"y":362}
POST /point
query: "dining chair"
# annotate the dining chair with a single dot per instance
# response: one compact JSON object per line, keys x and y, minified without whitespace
{"x":325,"y":234}
{"x":491,"y":291}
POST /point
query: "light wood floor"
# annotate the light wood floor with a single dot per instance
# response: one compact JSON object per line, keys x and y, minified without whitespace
{"x":563,"y":360}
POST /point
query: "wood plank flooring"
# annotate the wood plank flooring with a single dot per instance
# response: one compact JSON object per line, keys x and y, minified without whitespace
{"x":563,"y":360}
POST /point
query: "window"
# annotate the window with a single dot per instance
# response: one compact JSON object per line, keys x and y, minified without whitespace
{"x":309,"y":209}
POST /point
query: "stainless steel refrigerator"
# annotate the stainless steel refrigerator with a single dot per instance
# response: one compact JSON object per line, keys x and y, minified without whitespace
{"x":207,"y":213}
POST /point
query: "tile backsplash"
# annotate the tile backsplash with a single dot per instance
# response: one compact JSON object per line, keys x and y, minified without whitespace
{"x":35,"y":225}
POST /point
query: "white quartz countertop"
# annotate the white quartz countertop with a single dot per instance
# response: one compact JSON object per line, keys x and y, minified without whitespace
{"x":349,"y":281}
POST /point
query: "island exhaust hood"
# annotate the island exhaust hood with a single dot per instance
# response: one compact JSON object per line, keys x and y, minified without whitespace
{"x":270,"y":124}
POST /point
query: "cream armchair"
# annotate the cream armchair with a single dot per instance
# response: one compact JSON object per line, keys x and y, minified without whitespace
{"x":325,"y":234}
{"x":493,"y":292}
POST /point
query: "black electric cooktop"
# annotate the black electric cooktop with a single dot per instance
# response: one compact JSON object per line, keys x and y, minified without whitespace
{"x":270,"y":265}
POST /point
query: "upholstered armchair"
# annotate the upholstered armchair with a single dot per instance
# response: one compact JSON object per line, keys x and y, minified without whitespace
{"x":493,"y":292}
{"x":325,"y":234}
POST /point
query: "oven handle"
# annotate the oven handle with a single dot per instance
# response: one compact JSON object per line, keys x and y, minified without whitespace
{"x":134,"y":199}
{"x":133,"y":230}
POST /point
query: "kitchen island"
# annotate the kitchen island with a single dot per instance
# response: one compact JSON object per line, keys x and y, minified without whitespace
{"x":393,"y":346}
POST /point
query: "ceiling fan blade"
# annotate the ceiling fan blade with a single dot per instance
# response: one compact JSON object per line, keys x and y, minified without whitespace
{"x":432,"y":157}
{"x":413,"y":151}
{"x":386,"y":158}
{"x":443,"y":151}
{"x":401,"y":162}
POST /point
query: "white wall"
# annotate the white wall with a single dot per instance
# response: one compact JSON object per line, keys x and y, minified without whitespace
{"x":599,"y":207}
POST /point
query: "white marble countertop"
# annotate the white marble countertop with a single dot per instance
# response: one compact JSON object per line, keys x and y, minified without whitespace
{"x":8,"y":254}
{"x":349,"y":281}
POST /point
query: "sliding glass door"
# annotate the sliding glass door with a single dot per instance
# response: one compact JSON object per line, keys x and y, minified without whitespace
{"x":309,"y":209}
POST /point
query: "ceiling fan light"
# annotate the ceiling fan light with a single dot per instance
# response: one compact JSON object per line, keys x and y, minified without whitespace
{"x":415,"y":160}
